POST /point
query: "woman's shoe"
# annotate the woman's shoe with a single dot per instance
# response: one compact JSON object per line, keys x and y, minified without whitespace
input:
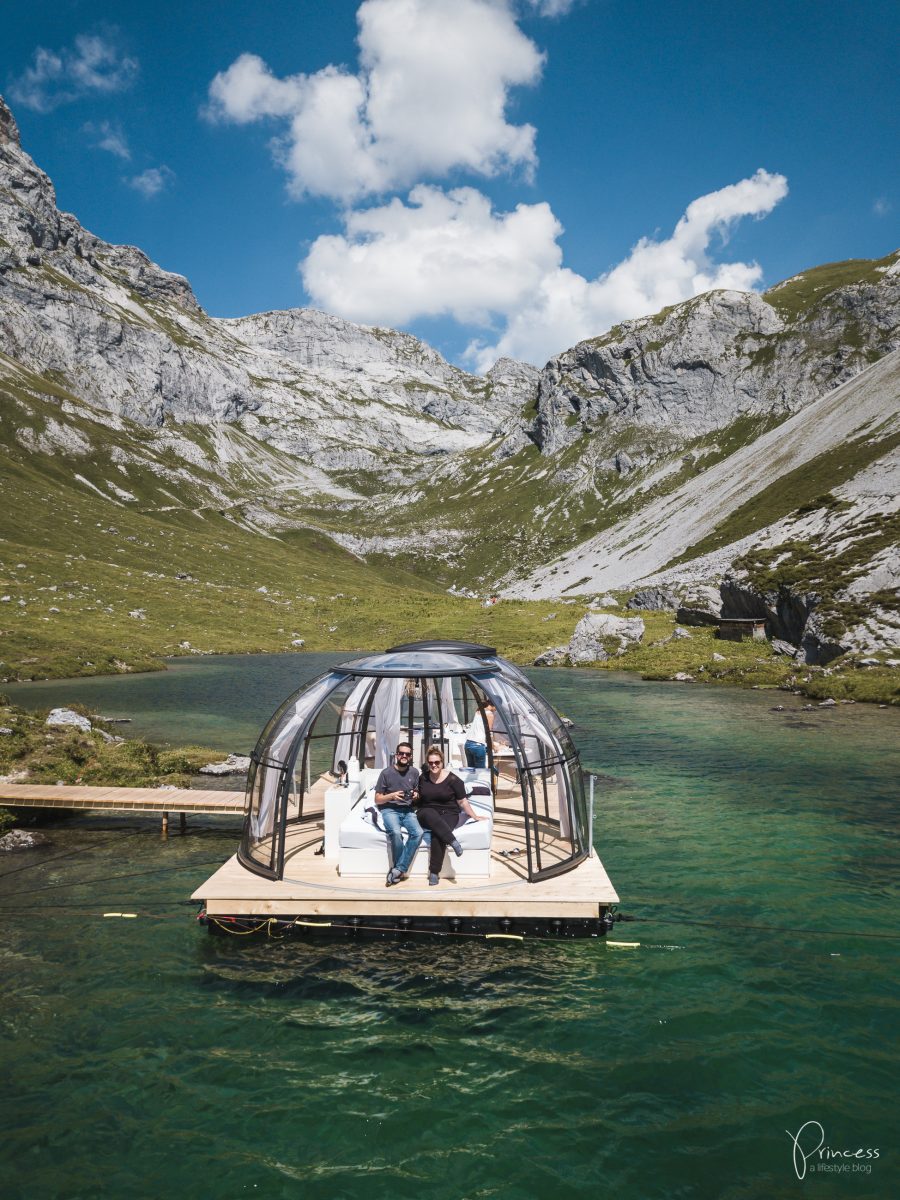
{"x":456,"y":848}
{"x":433,"y":880}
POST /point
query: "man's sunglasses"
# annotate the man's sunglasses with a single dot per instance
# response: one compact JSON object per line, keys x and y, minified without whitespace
{"x":403,"y":754}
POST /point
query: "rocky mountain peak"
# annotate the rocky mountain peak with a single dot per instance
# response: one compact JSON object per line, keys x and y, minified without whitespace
{"x":36,"y":235}
{"x":698,"y":366}
{"x":9,"y":130}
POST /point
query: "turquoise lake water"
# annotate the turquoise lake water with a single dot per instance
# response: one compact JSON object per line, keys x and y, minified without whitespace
{"x":144,"y":1058}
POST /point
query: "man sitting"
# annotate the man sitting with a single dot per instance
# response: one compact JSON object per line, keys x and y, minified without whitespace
{"x":395,"y":793}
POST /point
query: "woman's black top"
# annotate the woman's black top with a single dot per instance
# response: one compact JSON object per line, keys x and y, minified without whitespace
{"x":451,"y":791}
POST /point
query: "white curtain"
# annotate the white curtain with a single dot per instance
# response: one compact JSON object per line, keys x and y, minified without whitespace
{"x":386,"y":707}
{"x":353,"y":706}
{"x":279,"y":746}
{"x":448,"y":704}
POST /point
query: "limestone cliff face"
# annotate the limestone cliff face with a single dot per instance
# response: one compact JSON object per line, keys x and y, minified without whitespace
{"x":701,"y":365}
{"x":121,"y":334}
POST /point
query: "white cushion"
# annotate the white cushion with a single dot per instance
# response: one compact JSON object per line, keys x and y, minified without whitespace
{"x":357,"y":830}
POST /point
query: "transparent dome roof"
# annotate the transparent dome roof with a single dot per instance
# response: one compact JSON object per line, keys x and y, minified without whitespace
{"x":414,"y":664}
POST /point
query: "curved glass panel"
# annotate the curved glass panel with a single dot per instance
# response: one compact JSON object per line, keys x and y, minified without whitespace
{"x":269,"y":783}
{"x":414,"y":663}
{"x":549,"y":774}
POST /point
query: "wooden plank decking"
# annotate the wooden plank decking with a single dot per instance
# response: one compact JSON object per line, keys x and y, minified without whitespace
{"x":314,"y":887}
{"x":121,"y":799}
{"x":234,"y":891}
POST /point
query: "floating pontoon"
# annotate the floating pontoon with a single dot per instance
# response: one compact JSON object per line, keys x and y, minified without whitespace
{"x":313,"y":858}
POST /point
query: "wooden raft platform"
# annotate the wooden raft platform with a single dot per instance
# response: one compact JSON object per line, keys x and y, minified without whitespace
{"x":314,"y":887}
{"x":234,"y":891}
{"x":121,"y":799}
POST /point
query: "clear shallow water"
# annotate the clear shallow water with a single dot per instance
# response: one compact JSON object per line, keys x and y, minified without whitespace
{"x":144,"y":1058}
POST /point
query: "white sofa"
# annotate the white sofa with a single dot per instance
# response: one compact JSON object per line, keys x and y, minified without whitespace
{"x":363,"y":847}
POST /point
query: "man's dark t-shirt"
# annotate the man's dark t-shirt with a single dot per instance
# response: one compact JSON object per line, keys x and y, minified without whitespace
{"x":392,"y":780}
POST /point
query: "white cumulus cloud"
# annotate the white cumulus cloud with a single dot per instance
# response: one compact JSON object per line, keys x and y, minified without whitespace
{"x":94,"y":63}
{"x":152,"y":181}
{"x":450,"y":254}
{"x":109,"y":137}
{"x":430,"y":96}
{"x":551,"y":8}
{"x":443,"y":253}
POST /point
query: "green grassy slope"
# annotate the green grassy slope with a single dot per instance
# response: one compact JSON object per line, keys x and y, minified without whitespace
{"x":75,"y":564}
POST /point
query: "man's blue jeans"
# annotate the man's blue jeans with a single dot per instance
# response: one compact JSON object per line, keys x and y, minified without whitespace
{"x":394,"y":819}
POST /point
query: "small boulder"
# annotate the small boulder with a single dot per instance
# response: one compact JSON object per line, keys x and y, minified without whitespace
{"x":234,"y":764}
{"x":60,"y":717}
{"x":298,"y":641}
{"x":695,"y":616}
{"x":682,"y":677}
{"x":829,"y":703}
{"x":701,"y":605}
{"x":654,"y":599}
{"x":552,"y":657}
{"x":680,"y":634}
{"x":587,"y":646}
{"x":780,"y":646}
{"x":718,"y":657}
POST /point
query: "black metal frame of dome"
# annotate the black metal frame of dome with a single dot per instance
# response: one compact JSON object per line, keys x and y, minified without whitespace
{"x":334,"y":718}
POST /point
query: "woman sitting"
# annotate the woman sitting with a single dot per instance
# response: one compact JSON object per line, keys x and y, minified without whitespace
{"x":442,"y":808}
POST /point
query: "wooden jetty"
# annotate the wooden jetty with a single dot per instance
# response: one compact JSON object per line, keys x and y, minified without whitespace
{"x":162,"y":801}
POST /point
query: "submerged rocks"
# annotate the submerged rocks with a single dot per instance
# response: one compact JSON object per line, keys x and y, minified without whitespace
{"x":22,"y":839}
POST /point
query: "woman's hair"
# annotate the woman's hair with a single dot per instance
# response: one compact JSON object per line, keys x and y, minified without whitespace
{"x":435,"y":752}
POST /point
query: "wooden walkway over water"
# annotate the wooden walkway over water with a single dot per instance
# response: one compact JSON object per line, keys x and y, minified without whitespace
{"x":162,"y":801}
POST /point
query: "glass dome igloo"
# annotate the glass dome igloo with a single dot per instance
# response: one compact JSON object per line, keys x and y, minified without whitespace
{"x":353,"y":716}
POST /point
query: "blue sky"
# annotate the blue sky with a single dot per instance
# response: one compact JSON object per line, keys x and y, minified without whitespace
{"x":498,"y":177}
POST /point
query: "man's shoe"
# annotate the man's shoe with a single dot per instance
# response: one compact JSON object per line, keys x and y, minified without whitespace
{"x":456,"y":848}
{"x":394,"y":876}
{"x":433,"y":880}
